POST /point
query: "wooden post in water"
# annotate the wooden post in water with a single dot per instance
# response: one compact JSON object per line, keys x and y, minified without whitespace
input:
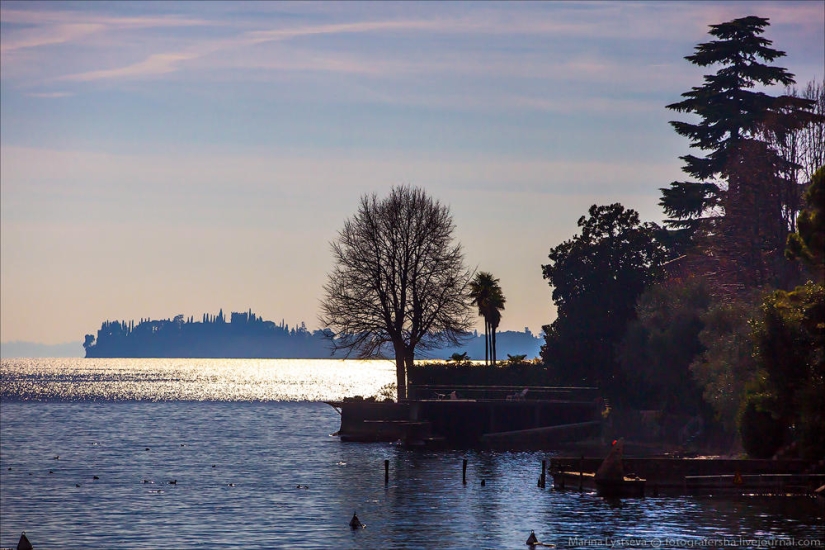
{"x":655,"y":480}
{"x":581,"y":473}
{"x":464,"y":472}
{"x":543,"y":474}
{"x":386,"y":472}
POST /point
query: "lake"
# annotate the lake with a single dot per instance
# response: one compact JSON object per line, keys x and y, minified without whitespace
{"x":247,"y":443}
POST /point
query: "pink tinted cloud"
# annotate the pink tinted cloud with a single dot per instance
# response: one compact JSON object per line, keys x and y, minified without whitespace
{"x":156,"y":64}
{"x":62,"y":17}
{"x":47,"y":36}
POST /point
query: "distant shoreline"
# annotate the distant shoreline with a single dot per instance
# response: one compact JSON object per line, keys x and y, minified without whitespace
{"x":509,"y":342}
{"x":311,"y":346}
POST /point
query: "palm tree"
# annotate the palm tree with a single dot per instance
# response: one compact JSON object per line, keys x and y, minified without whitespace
{"x":480,"y":289}
{"x":495,"y":304}
{"x":486,"y":293}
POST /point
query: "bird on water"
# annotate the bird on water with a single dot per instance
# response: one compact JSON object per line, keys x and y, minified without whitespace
{"x":23,"y":543}
{"x":355,"y":523}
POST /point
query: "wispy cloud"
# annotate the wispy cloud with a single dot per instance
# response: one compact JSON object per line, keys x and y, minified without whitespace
{"x":56,"y":17}
{"x":156,"y":64}
{"x":257,"y":37}
{"x":96,"y":33}
{"x":50,"y":95}
{"x":244,"y":42}
{"x":48,"y":36}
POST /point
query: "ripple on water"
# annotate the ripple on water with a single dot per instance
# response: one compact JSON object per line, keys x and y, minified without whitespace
{"x":191,"y":379}
{"x":163,"y":420}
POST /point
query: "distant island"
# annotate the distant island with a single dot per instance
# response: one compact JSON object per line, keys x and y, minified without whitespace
{"x":245,"y":335}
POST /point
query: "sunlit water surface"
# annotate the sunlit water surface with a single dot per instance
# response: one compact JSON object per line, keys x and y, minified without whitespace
{"x":193,"y":379}
{"x":248,"y":445}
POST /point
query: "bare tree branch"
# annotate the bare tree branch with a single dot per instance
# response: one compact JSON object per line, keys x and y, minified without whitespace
{"x":399,"y":280}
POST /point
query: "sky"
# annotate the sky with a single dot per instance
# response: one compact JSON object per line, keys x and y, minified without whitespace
{"x":163,"y":158}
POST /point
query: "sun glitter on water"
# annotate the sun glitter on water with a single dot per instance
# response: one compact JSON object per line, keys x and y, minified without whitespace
{"x":192,"y":379}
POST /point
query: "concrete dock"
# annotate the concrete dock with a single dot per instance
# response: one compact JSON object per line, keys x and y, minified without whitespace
{"x":516,"y":424}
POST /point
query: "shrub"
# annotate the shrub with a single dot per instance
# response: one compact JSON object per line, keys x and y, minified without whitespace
{"x":762,"y":434}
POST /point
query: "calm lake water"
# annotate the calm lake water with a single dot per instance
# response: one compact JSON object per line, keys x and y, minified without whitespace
{"x":248,"y":444}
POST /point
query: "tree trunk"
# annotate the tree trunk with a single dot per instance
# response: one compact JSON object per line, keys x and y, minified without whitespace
{"x":486,"y":344}
{"x":493,"y":331}
{"x":409,"y":363}
{"x":401,"y":373}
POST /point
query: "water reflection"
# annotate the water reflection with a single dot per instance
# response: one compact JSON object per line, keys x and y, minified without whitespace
{"x":191,"y":379}
{"x":238,"y":466}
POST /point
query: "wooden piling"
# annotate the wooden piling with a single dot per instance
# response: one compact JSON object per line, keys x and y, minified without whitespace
{"x":386,"y":472}
{"x":464,"y":472}
{"x":581,"y":473}
{"x":543,"y":478}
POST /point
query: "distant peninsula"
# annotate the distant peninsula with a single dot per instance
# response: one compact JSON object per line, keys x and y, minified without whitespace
{"x":245,"y":335}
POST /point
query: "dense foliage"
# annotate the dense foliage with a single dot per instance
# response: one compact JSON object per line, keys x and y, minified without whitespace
{"x":785,"y":398}
{"x":712,"y":341}
{"x":790,"y":352}
{"x":808,"y":243}
{"x":726,"y":365}
{"x":661,"y":343}
{"x":597,"y":277}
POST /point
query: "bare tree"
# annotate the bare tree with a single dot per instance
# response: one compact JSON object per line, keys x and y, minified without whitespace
{"x":399,"y":280}
{"x":802,"y":148}
{"x":813,"y":136}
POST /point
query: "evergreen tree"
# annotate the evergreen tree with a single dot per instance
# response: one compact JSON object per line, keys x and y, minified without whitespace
{"x":739,"y":202}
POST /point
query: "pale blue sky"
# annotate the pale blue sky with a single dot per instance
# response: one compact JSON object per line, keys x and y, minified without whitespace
{"x":161,"y":158}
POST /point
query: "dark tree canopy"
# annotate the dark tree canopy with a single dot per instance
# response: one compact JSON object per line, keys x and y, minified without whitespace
{"x":741,"y":194}
{"x":808,"y":243}
{"x":399,"y":280}
{"x":662,"y":342}
{"x":790,"y":353}
{"x":596,"y":278}
{"x":790,"y":348}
